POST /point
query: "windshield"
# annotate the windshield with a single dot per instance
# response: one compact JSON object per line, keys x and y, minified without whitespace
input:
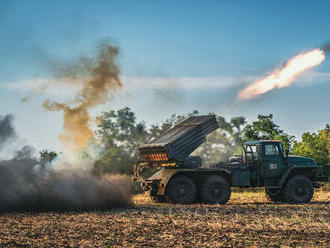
{"x":273,"y":149}
{"x":251,"y":152}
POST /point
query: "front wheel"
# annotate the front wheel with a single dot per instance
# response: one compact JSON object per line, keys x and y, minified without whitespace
{"x":298,"y":189}
{"x":182,"y":190}
{"x":215,"y":189}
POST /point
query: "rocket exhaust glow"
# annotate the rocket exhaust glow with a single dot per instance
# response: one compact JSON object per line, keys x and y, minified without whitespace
{"x":285,"y":76}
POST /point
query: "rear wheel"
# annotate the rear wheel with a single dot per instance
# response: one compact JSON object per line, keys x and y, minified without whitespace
{"x":182,"y":190}
{"x":298,"y":189}
{"x":215,"y":189}
{"x":274,"y":195}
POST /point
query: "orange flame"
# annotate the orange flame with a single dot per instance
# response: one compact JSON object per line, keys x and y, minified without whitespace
{"x":285,"y":76}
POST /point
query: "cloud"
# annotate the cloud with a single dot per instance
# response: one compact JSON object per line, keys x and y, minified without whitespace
{"x":131,"y":83}
{"x":182,"y":82}
{"x":38,"y":85}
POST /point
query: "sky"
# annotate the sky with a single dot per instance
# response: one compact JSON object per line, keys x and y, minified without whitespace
{"x":175,"y":57}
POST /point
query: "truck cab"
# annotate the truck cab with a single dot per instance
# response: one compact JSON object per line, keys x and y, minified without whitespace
{"x":268,"y":163}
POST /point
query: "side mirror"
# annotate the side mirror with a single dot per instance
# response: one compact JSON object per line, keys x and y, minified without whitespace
{"x":287,"y":153}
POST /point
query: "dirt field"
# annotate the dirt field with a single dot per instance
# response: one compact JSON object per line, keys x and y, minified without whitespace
{"x":248,"y":220}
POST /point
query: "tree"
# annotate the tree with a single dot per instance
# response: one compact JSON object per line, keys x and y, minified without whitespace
{"x":265,"y":128}
{"x":316,"y":146}
{"x":120,"y":135}
{"x":47,"y":156}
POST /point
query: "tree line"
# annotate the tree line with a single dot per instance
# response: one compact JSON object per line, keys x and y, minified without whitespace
{"x":120,"y":134}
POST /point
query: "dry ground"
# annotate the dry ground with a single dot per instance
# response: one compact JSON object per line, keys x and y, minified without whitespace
{"x":248,"y":220}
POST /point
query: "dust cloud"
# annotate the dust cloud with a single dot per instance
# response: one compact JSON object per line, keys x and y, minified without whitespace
{"x":30,"y":184}
{"x":98,"y":79}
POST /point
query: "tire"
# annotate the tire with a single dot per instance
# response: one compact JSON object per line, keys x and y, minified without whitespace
{"x":182,"y":190}
{"x":272,"y":196}
{"x":215,"y":190}
{"x":298,"y":189}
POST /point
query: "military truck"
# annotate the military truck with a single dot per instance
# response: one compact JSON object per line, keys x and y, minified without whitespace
{"x":182,"y":179}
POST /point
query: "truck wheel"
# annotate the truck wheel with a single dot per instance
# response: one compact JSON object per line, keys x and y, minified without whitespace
{"x":274,"y":196}
{"x":298,"y":190}
{"x":182,"y":190}
{"x":215,"y":189}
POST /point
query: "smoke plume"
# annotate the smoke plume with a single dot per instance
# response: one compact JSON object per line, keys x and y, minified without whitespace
{"x":98,"y":79}
{"x":7,"y":131}
{"x":28,"y":183}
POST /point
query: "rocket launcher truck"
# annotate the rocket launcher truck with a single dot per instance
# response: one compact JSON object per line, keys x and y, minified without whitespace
{"x":182,"y":179}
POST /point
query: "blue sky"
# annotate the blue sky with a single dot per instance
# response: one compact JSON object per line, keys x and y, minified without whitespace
{"x":218,"y":45}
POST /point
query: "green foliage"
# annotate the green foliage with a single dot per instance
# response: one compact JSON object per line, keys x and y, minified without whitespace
{"x":265,"y":128}
{"x":316,"y":146}
{"x":120,"y":135}
{"x":47,"y":156}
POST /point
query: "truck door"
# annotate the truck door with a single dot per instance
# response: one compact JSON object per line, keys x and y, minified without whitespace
{"x":273,"y":163}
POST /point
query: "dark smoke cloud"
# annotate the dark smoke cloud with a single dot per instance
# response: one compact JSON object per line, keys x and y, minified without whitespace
{"x":24,"y":185}
{"x":28,"y":184}
{"x":7,"y":130}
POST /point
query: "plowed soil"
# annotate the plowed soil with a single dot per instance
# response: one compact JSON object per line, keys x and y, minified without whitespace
{"x":248,"y":220}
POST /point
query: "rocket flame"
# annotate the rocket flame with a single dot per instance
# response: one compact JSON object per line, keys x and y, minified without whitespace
{"x":284,"y":77}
